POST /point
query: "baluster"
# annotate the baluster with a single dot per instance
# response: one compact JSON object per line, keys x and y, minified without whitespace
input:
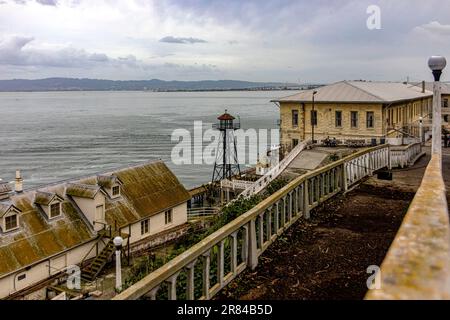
{"x":261,"y":230}
{"x":234,"y":251}
{"x":172,"y":289}
{"x":277,"y":217}
{"x":152,"y":293}
{"x":252,"y":246}
{"x":344,"y":185}
{"x":220,"y":263}
{"x":306,"y":199}
{"x":206,"y":270}
{"x":190,"y":280}
{"x":244,"y":251}
{"x":283,"y":212}
{"x":290,"y":207}
{"x":269,"y":224}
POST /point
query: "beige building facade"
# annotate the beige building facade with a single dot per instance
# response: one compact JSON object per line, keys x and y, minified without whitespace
{"x":353,"y":110}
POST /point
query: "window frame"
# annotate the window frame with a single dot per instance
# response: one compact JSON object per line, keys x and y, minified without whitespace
{"x":356,"y":119}
{"x":168,"y":216}
{"x":372,"y":119}
{"x":50,"y":214}
{"x":336,"y":118}
{"x":294,"y":123}
{"x":116,"y":187}
{"x":16,"y":217}
{"x":445,"y":103}
{"x":145,"y":226}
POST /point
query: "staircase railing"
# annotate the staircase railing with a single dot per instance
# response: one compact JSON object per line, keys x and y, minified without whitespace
{"x":403,"y":156}
{"x":273,"y":173}
{"x":244,"y":239}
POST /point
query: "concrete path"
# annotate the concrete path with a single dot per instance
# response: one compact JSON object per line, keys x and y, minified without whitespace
{"x":308,"y":160}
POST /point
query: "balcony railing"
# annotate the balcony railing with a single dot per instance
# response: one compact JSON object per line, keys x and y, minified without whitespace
{"x":417,"y":265}
{"x":237,"y":245}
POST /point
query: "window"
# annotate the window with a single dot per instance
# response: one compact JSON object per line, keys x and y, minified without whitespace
{"x":369,"y":119}
{"x":295,"y":118}
{"x":338,"y":119}
{"x":116,"y":191}
{"x":11,"y":222}
{"x":145,"y":226}
{"x":294,"y":142}
{"x":354,"y":119}
{"x":55,"y":210}
{"x":445,"y":103}
{"x":168,"y":216}
{"x":314,"y":118}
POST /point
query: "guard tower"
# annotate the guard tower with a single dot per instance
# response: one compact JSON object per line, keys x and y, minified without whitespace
{"x":226,"y":164}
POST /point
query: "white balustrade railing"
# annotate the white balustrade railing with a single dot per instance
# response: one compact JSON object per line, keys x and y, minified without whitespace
{"x":403,"y":156}
{"x":273,"y":173}
{"x":193,"y":213}
{"x":236,"y":184}
{"x":215,"y":261}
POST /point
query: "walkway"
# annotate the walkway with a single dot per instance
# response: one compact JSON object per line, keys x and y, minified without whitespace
{"x":327,"y":256}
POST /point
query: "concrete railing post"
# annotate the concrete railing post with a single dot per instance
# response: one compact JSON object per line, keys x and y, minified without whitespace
{"x":252,"y":261}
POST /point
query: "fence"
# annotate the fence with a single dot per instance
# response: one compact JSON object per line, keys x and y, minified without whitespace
{"x":403,"y":156}
{"x":238,"y":244}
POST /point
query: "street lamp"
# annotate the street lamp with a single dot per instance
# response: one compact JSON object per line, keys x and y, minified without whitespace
{"x":437,"y":64}
{"x":118,"y":241}
{"x":312,"y":119}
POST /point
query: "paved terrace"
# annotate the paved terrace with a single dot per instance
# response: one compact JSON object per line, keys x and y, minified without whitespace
{"x":327,"y":256}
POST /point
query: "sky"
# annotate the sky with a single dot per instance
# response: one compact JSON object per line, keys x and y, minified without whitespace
{"x":256,"y":40}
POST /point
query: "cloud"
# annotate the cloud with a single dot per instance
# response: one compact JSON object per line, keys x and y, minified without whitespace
{"x":436,"y":28}
{"x":48,"y":2}
{"x":170,"y":39}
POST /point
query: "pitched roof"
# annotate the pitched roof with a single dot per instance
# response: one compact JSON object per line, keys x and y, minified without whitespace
{"x":82,"y":190}
{"x":4,"y":208}
{"x":359,"y":92}
{"x":445,"y":87}
{"x":146,"y":190}
{"x":4,"y":187}
{"x":44,"y":198}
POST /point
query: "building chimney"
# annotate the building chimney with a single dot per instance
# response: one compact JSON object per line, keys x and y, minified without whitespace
{"x":423,"y":86}
{"x":19,"y":182}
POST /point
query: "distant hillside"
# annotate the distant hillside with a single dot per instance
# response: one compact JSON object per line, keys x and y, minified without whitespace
{"x":72,"y":84}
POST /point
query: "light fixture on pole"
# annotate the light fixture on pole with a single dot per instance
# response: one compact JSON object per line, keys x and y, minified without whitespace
{"x":118,"y":241}
{"x":313,"y":118}
{"x":437,"y":64}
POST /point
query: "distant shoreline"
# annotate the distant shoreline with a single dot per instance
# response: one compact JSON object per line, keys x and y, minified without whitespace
{"x":155,"y":91}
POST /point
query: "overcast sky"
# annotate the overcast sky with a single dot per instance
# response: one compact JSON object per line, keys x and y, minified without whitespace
{"x":273,"y":40}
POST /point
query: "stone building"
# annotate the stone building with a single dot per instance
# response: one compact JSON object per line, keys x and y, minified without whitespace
{"x":43,"y":231}
{"x":354,"y":110}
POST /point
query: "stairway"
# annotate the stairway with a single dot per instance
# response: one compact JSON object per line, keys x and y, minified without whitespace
{"x":93,"y":269}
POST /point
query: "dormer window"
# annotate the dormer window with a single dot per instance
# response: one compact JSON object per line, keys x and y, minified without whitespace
{"x":9,"y":217}
{"x":11,"y":222}
{"x":55,"y":210}
{"x":111,"y":184}
{"x":116,"y":191}
{"x":50,"y":203}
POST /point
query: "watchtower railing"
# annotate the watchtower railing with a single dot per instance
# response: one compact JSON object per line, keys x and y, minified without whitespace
{"x":216,"y":260}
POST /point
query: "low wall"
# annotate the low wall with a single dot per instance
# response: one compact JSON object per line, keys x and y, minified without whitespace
{"x":417,"y":265}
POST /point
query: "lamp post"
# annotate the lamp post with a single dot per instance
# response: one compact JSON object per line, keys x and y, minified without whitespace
{"x":118,"y":241}
{"x":312,"y":119}
{"x":437,"y":64}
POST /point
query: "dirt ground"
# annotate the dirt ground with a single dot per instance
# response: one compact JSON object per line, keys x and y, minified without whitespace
{"x":327,"y":256}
